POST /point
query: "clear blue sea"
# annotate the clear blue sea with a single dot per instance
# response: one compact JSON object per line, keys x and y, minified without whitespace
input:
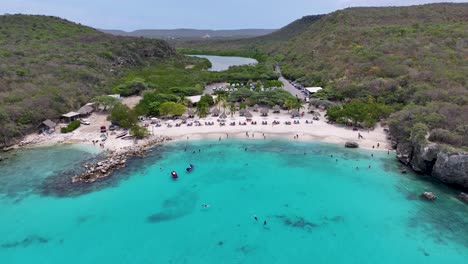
{"x":317,"y":206}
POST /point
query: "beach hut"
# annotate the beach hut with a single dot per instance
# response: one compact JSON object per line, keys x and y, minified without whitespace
{"x":69,"y":117}
{"x":295,"y":113}
{"x":264,"y":111}
{"x":242,"y":112}
{"x":85,"y":110}
{"x":248,"y":116}
{"x":255,"y":108}
{"x":190,"y":113}
{"x":276,"y":109}
{"x":47,"y":126}
{"x":215,"y":112}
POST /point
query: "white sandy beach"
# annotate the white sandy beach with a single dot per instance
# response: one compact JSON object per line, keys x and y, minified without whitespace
{"x":317,"y":130}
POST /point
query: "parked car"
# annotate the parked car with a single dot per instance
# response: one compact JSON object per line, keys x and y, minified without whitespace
{"x":103,"y":129}
{"x":84,"y":122}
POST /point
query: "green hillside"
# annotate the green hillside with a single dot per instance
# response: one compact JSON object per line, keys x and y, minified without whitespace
{"x":49,"y":66}
{"x":410,"y":60}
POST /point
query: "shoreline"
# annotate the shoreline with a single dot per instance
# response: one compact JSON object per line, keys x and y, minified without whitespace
{"x":316,"y":130}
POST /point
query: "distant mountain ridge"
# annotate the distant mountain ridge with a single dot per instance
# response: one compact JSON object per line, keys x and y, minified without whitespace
{"x":190,"y":33}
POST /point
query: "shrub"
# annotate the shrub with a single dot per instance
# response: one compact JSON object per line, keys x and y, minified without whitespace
{"x":445,"y":136}
{"x":71,"y":127}
{"x":139,"y":132}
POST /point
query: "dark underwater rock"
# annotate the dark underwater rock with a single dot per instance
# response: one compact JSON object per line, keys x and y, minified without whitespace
{"x":351,"y":144}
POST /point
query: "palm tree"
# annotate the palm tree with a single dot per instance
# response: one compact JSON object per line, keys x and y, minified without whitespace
{"x":202,"y":110}
{"x":290,"y":104}
{"x":232,"y":109}
{"x":297,"y":104}
{"x":186,"y":102}
{"x":224,"y":105}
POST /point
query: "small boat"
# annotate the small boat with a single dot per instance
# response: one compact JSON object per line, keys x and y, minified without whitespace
{"x":190,"y":168}
{"x":121,"y":134}
{"x":174,"y":175}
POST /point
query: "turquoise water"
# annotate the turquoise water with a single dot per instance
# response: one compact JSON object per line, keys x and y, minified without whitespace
{"x":222,"y":63}
{"x":318,"y":210}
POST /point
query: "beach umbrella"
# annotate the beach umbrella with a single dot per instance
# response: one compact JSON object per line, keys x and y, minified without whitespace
{"x":215,"y":111}
{"x":317,"y":114}
{"x":183,"y":117}
{"x":237,"y":104}
{"x":264,"y":111}
{"x":248,"y":115}
{"x":255,"y":108}
{"x":154,"y":119}
{"x":223,"y":116}
{"x":276,"y":108}
{"x":169,"y":121}
{"x":295,"y":112}
{"x":242,"y":112}
{"x":190,"y":112}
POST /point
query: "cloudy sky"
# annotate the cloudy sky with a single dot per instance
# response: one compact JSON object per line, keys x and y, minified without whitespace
{"x":201,"y":14}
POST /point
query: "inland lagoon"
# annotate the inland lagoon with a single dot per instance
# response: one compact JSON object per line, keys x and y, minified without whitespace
{"x":244,"y":202}
{"x":222,"y":63}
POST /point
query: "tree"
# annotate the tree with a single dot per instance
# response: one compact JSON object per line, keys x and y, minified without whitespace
{"x":139,"y":132}
{"x":132,"y":87}
{"x":206,"y":99}
{"x":202,"y":109}
{"x":171,"y":108}
{"x":232,"y":109}
{"x":123,"y":116}
{"x":153,"y":108}
{"x":290,"y":104}
{"x":106,"y":101}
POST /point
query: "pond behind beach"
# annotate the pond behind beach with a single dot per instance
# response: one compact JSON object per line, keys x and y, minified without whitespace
{"x":222,"y":63}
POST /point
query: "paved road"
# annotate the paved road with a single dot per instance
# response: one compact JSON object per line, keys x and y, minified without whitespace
{"x":290,"y":88}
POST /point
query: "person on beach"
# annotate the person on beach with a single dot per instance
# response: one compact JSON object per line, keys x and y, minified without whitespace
{"x":378,"y":145}
{"x":219,"y":139}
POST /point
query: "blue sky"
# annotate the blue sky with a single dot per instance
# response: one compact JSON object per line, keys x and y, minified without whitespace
{"x":201,"y":14}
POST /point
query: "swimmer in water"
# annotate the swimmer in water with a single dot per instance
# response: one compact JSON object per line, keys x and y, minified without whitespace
{"x":264,"y":222}
{"x":256,"y":218}
{"x":206,"y":205}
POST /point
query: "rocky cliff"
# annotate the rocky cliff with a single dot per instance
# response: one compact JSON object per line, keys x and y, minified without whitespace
{"x":434,"y":160}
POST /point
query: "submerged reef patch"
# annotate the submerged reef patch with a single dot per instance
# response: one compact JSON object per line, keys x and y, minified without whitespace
{"x":28,"y":241}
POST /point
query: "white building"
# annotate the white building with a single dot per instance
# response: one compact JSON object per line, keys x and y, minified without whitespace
{"x":311,"y":90}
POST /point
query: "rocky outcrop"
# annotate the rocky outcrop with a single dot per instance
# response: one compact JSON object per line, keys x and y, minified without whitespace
{"x":452,"y":169}
{"x":404,"y":152}
{"x":430,"y":196}
{"x":351,"y":144}
{"x":431,"y":159}
{"x":463,"y":197}
{"x":113,"y":162}
{"x":424,"y":158}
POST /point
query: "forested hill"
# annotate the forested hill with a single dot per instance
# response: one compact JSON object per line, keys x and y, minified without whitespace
{"x":411,"y":59}
{"x":49,"y":66}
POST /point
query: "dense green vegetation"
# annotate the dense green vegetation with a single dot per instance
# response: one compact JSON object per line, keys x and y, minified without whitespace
{"x":123,"y":116}
{"x":49,"y":66}
{"x":412,"y":60}
{"x":71,"y":127}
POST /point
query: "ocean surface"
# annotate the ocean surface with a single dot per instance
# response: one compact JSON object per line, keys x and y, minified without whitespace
{"x":321,"y":203}
{"x":222,"y":63}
